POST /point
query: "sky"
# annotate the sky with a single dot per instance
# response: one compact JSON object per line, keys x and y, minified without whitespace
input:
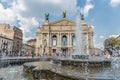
{"x":102,"y":15}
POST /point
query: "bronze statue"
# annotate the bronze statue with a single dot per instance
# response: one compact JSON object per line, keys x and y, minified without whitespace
{"x":47,"y":16}
{"x":82,"y":16}
{"x":64,"y":14}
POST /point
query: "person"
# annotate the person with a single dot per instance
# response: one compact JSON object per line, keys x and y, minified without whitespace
{"x":33,"y":54}
{"x":27,"y":54}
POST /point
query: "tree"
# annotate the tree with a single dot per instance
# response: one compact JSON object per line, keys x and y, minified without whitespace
{"x":112,"y":44}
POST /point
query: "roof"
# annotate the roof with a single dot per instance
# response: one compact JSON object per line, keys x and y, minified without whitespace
{"x":31,"y":40}
{"x":63,"y":21}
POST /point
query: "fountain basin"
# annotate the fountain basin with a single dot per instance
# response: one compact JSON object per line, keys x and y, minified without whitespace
{"x":52,"y":70}
{"x":91,"y":62}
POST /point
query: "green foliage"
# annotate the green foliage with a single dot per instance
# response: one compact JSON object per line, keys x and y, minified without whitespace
{"x":113,"y":43}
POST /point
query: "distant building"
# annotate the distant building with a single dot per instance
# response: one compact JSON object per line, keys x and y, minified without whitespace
{"x":17,"y":40}
{"x":27,"y":49}
{"x":32,"y":42}
{"x":59,"y":37}
{"x":7,"y":30}
{"x":15,"y":34}
{"x":6,"y":45}
{"x":98,"y":51}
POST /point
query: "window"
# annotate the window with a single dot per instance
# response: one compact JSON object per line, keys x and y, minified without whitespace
{"x":73,"y":40}
{"x":64,"y":40}
{"x":54,"y":40}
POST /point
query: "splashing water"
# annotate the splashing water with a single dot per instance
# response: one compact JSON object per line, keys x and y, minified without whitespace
{"x":12,"y":73}
{"x":79,"y":53}
{"x":78,"y":36}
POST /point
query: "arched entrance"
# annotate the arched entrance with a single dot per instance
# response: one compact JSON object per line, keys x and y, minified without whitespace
{"x":64,"y":40}
{"x":64,"y":48}
{"x":54,"y":40}
{"x":54,"y":43}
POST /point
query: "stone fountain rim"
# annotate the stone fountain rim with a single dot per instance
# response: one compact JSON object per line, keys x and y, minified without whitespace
{"x":83,"y":60}
{"x":37,"y":68}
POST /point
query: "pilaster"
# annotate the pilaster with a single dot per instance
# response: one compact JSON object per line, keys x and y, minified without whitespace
{"x":68,"y":40}
{"x":60,"y":39}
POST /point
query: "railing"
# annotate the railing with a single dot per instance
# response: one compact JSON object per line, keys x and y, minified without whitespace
{"x":4,"y":62}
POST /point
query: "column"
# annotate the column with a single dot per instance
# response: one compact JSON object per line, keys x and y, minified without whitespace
{"x":70,"y":41}
{"x":91,"y":43}
{"x":41,"y":39}
{"x":60,"y":39}
{"x":41,"y":43}
{"x":50,"y":43}
{"x":48,"y":39}
{"x":87,"y":44}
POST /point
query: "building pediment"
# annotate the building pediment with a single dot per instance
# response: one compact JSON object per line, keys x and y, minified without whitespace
{"x":63,"y":22}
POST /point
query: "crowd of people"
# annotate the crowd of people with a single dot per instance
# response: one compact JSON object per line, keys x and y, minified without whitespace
{"x":20,"y":54}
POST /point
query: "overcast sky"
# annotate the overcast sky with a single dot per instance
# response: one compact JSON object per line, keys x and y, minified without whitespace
{"x":103,"y":15}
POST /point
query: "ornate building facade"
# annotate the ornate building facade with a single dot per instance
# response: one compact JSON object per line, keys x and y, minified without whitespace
{"x":59,"y":37}
{"x":27,"y":49}
{"x":14,"y":33}
{"x":17,"y":40}
{"x":6,"y":45}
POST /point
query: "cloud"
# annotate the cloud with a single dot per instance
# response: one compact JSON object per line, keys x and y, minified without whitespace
{"x":88,"y":6}
{"x":7,"y":15}
{"x":29,"y":13}
{"x":114,"y":3}
{"x":114,"y":36}
{"x":101,"y":37}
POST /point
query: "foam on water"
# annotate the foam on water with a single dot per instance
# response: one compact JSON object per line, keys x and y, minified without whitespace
{"x":12,"y":73}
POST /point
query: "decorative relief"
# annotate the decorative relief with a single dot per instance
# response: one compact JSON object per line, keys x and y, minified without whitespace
{"x":63,"y":22}
{"x":44,"y":36}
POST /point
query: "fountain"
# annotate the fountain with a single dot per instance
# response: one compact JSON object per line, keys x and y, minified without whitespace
{"x":80,"y":57}
{"x":79,"y":66}
{"x":78,"y":52}
{"x":11,"y":69}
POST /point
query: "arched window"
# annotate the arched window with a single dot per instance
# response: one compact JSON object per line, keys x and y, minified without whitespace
{"x":73,"y":40}
{"x":64,"y":40}
{"x":54,"y":40}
